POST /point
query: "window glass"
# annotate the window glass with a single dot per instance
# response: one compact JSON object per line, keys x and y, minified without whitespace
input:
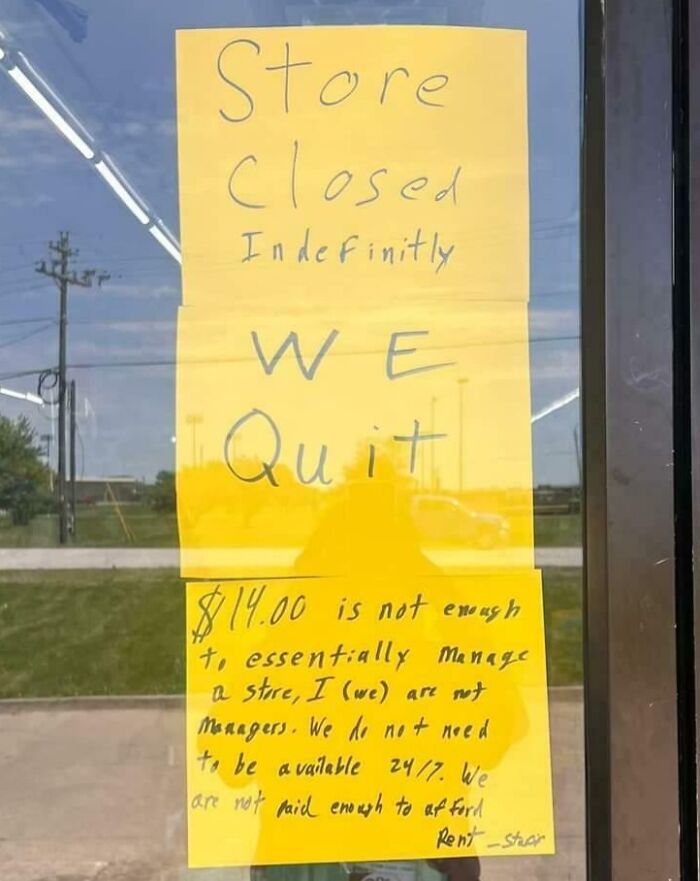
{"x":92,"y":605}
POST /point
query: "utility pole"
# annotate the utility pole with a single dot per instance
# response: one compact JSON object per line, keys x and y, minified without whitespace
{"x":73,"y":512}
{"x":59,"y":269}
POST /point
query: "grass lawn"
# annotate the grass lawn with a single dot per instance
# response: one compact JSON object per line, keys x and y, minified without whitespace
{"x":100,"y":526}
{"x":558,"y":531}
{"x":121,"y":632}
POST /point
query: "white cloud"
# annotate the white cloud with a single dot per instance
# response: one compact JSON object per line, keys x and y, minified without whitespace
{"x":21,"y":123}
{"x":140,"y":291}
{"x":558,"y":364}
{"x":31,"y":200}
{"x":551,"y":321}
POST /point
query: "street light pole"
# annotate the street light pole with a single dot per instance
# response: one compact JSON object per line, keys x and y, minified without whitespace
{"x":47,"y":440}
{"x":73,"y":517}
{"x":461,"y":383}
{"x":433,"y":401}
{"x":577,"y":447}
{"x":193,"y":420}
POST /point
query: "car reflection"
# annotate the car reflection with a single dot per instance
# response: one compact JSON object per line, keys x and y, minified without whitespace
{"x":442,"y":519}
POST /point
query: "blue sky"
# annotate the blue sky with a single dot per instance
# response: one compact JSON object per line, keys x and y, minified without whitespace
{"x":119,"y":81}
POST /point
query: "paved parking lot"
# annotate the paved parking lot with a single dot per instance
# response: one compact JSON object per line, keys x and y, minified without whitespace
{"x":93,"y":790}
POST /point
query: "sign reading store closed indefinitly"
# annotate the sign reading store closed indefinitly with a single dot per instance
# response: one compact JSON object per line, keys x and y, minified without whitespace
{"x":365,"y":646}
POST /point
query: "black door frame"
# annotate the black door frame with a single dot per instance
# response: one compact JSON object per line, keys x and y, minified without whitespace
{"x":635,"y":474}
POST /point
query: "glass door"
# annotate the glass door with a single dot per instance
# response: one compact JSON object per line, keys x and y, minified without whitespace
{"x":290,"y":450}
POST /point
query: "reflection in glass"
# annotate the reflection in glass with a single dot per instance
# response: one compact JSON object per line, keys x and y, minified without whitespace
{"x":98,"y":786}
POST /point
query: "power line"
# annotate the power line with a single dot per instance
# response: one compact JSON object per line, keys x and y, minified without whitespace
{"x":134,"y":258}
{"x":170,"y":362}
{"x":16,"y":268}
{"x":124,"y":322}
{"x":19,"y":291}
{"x":19,"y":339}
{"x":20,"y":374}
{"x":23,"y":283}
{"x":26,"y":321}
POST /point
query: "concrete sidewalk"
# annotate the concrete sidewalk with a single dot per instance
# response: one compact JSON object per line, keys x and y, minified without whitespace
{"x":169,"y":558}
{"x":94,"y":790}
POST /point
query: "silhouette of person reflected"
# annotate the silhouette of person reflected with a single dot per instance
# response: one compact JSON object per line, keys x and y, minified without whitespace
{"x":368,"y":529}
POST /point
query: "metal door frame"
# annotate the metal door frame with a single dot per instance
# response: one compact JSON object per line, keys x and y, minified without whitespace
{"x":636,"y":472}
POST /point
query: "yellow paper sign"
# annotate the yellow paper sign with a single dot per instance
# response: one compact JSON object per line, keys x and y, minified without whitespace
{"x":366,"y":719}
{"x":392,"y":157}
{"x":362,"y":438}
{"x":366,"y":662}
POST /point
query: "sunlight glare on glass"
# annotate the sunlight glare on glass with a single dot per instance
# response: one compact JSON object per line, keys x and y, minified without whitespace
{"x":33,"y":93}
{"x":165,"y":242}
{"x":113,"y":181}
